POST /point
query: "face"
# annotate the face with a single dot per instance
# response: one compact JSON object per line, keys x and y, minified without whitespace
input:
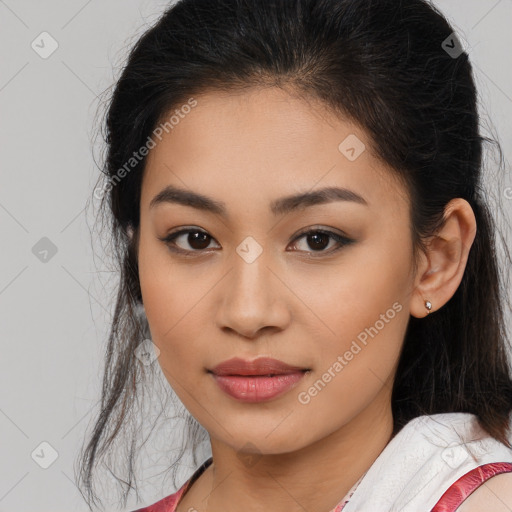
{"x":322,"y":284}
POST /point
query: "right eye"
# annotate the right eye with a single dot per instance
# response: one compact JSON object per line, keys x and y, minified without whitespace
{"x":197,"y":239}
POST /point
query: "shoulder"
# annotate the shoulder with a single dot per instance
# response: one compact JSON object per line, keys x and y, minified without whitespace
{"x":494,"y":494}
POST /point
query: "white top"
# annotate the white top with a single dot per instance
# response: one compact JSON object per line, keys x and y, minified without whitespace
{"x":422,"y":461}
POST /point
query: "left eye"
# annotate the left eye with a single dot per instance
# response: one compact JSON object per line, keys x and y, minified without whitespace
{"x":317,"y":239}
{"x":199,"y":240}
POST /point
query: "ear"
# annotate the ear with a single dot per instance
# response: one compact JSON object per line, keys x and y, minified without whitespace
{"x":442,"y":265}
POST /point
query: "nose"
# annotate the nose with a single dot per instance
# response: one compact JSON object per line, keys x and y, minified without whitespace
{"x":253,"y":299}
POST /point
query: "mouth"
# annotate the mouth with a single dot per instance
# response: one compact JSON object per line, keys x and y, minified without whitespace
{"x":258,"y":380}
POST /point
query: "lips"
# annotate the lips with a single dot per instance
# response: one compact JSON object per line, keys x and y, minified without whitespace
{"x":263,"y":366}
{"x":255,"y":381}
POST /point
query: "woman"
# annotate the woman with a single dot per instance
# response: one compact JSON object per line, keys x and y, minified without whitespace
{"x":295,"y":195}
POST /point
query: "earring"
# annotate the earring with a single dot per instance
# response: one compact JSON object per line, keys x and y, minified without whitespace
{"x":140,"y":311}
{"x":428,"y":305}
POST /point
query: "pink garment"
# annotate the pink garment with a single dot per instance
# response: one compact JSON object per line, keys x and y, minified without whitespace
{"x":439,"y":460}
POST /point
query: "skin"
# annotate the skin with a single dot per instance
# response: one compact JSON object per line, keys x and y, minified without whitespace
{"x":495,"y":495}
{"x":295,"y":303}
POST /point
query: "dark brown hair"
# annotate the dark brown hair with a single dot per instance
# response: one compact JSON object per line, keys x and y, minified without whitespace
{"x":380,"y":63}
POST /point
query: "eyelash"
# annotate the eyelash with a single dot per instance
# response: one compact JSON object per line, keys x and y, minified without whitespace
{"x":340,"y":239}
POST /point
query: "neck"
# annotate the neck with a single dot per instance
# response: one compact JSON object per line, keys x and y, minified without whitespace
{"x":316,"y":477}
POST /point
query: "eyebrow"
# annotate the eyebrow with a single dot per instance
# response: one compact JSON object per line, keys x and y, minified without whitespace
{"x":281,"y":206}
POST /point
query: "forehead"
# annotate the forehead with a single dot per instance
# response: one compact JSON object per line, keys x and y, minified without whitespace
{"x":264,"y":142}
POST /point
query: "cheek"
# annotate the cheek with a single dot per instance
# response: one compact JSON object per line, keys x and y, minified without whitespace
{"x":175,"y":318}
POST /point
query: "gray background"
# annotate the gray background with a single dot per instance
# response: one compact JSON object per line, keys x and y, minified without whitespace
{"x":55,"y":314}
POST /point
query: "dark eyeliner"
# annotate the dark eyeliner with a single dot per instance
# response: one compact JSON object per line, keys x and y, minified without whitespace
{"x":169,"y":239}
{"x":341,"y":240}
